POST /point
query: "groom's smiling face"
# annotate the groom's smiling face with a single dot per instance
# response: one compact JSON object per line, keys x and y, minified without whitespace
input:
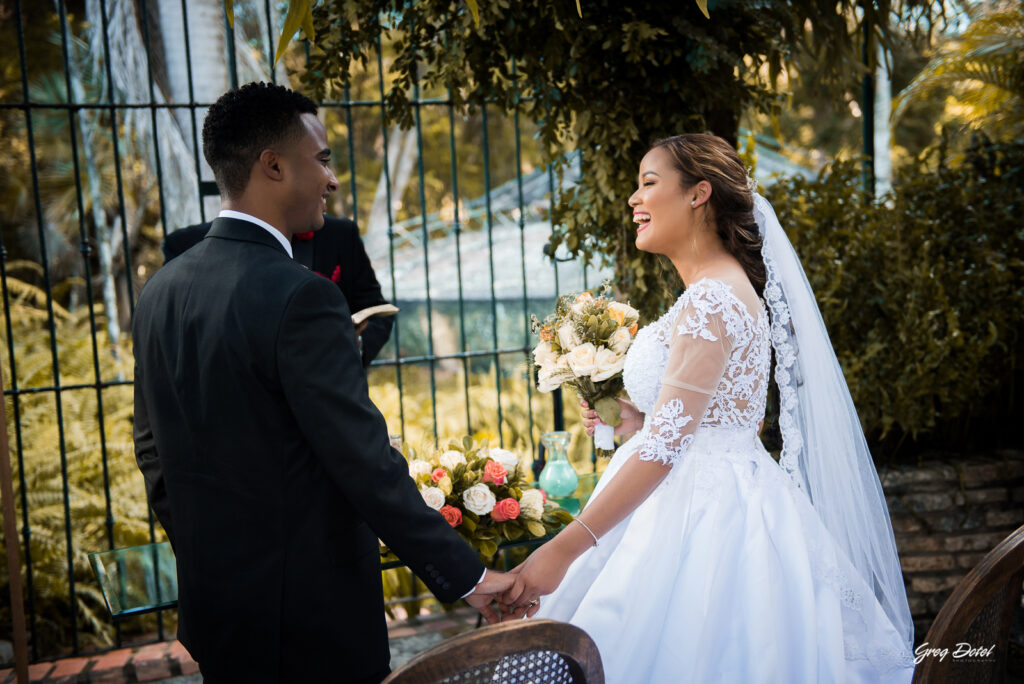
{"x":310,"y":180}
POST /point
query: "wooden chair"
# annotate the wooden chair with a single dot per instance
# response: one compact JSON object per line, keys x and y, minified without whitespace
{"x":522,"y":651}
{"x":979,"y":612}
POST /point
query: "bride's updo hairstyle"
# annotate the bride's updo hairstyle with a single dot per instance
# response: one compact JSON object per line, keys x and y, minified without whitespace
{"x":700,"y":157}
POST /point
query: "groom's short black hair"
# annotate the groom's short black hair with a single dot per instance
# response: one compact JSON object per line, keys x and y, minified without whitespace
{"x":244,"y":122}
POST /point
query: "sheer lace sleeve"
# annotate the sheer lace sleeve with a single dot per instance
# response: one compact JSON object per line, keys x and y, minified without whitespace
{"x":698,"y":355}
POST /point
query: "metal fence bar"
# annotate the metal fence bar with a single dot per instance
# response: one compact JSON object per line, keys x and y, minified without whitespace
{"x":418,"y":124}
{"x":197,"y":149}
{"x":490,"y":261}
{"x":396,"y":329}
{"x":529,"y":374}
{"x":458,"y":259}
{"x":72,"y":128}
{"x":351,"y":159}
{"x":26,"y":527}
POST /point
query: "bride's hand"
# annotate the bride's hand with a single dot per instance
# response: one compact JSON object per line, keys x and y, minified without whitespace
{"x":632,"y":419}
{"x":538,"y":576}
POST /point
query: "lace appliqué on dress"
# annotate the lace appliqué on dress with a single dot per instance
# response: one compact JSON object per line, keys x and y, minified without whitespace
{"x":664,"y":441}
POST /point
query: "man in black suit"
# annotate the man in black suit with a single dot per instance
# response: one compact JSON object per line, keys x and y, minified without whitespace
{"x":264,"y":458}
{"x":336,"y":252}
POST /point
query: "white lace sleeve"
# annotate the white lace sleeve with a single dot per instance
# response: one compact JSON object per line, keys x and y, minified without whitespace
{"x":698,"y":356}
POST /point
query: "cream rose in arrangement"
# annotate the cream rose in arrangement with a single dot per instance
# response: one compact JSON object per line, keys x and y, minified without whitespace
{"x":583,"y":345}
{"x":482,"y":492}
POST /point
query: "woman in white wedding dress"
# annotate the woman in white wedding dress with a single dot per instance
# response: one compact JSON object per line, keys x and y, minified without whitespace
{"x":699,"y":558}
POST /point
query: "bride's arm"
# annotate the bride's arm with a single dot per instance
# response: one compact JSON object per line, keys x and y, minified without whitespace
{"x":697,"y":360}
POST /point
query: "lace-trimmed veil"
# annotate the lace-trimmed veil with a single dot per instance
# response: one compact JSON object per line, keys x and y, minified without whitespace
{"x":824,"y":450}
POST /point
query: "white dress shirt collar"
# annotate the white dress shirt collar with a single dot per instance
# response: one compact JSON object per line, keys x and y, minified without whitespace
{"x":231,"y":213}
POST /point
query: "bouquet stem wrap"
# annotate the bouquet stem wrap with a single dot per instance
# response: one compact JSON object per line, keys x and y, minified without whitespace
{"x":604,"y":437}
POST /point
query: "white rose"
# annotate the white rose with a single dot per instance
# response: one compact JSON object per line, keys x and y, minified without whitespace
{"x":543,"y":353}
{"x":479,"y":499}
{"x":623,"y":313}
{"x":450,"y":459}
{"x":418,"y":467}
{"x":567,"y":337}
{"x":433,"y":497}
{"x":580,"y":307}
{"x":551,"y":375}
{"x":532,"y":504}
{"x":507,"y":459}
{"x":606,"y":364}
{"x":620,"y":340}
{"x":581,"y":360}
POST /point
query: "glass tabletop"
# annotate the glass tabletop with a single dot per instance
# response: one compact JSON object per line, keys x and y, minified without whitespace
{"x":137,"y":579}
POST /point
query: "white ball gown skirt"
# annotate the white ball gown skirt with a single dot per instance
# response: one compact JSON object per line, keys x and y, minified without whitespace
{"x":725,"y":573}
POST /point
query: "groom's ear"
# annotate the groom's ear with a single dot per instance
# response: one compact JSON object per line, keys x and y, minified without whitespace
{"x":269,"y":163}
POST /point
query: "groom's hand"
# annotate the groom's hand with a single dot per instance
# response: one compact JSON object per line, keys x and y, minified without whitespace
{"x":487,"y":592}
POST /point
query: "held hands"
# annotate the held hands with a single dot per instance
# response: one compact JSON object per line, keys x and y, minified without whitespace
{"x":632,"y":419}
{"x":488,"y":591}
{"x":538,"y":576}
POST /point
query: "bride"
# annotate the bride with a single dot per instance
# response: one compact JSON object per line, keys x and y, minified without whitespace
{"x":699,"y":558}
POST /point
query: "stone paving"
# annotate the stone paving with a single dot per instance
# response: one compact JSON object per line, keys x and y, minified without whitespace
{"x":168,"y":662}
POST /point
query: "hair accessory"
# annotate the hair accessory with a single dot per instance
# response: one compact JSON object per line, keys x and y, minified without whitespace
{"x":751,"y":182}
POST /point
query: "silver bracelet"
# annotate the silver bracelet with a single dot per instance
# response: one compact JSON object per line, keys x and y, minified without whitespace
{"x":587,"y":528}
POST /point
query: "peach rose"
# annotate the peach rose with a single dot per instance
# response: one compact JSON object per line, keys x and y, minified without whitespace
{"x":452,"y":514}
{"x":633,"y":328}
{"x":506,"y":509}
{"x":438,"y":474}
{"x":494,"y":472}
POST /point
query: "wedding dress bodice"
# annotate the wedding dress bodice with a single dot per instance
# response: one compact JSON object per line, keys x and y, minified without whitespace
{"x":704,"y":362}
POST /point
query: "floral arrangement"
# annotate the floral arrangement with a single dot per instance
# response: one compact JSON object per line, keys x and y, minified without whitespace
{"x":583,"y":345}
{"x":482,"y":492}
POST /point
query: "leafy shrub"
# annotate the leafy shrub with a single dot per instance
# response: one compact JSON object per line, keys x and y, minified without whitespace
{"x":923,"y":292}
{"x":41,"y":469}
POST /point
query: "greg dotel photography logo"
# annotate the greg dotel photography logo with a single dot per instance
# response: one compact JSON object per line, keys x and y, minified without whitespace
{"x":962,"y":651}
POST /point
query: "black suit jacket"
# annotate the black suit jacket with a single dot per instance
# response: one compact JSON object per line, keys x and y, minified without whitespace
{"x":270,"y":468}
{"x":336,"y":252}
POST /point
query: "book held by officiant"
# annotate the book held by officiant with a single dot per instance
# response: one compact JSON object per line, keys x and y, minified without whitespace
{"x":370,"y":311}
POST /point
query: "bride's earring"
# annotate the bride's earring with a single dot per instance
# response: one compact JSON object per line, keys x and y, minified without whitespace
{"x":693,"y":203}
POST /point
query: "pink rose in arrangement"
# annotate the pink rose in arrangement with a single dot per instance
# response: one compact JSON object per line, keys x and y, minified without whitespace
{"x":494,"y":472}
{"x":438,"y":474}
{"x":506,"y":509}
{"x":452,"y":514}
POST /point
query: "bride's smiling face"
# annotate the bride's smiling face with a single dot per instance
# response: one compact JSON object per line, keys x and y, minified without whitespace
{"x":661,"y":207}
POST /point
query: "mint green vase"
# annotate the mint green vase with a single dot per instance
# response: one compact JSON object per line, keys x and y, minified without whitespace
{"x":558,"y":479}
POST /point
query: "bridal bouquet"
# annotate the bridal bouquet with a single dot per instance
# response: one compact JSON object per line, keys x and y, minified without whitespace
{"x":482,"y":492}
{"x":583,"y":345}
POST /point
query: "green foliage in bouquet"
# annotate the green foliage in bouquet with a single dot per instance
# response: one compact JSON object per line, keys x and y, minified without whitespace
{"x":483,"y":494}
{"x":583,"y":345}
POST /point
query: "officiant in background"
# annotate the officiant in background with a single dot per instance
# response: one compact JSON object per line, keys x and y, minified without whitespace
{"x":336,"y":252}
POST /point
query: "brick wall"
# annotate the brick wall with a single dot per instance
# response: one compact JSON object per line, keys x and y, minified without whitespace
{"x":947,"y":514}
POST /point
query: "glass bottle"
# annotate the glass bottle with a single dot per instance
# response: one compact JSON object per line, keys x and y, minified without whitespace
{"x":557,"y":479}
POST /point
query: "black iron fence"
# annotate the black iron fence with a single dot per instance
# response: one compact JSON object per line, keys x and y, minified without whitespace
{"x":101,"y":102}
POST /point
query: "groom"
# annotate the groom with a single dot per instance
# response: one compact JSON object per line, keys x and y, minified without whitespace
{"x":264,"y":458}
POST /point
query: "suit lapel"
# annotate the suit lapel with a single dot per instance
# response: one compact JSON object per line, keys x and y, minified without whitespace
{"x":302,"y":250}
